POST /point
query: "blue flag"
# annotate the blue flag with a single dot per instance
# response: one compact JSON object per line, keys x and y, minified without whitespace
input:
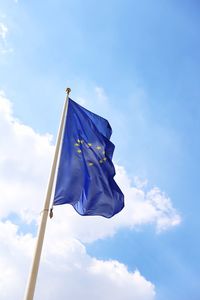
{"x":85,"y":172}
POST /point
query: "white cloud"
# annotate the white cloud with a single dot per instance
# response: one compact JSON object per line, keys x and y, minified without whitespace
{"x":151,"y":207}
{"x":94,"y":98}
{"x":66,"y":271}
{"x":25,"y":159}
{"x":15,"y":254}
{"x":101,"y":96}
{"x":3,"y":31}
{"x":140,"y":183}
{"x":24,"y":164}
{"x":4,"y":47}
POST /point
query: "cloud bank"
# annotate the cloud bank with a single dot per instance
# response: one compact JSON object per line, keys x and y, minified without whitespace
{"x":66,"y":271}
{"x":25,"y":159}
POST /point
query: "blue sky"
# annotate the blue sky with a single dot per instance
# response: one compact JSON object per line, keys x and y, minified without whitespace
{"x":137,"y":64}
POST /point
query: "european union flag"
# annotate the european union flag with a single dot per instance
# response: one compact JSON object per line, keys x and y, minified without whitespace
{"x":85,"y":172}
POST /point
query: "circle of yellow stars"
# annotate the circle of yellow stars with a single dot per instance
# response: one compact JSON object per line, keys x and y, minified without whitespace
{"x":89,"y":145}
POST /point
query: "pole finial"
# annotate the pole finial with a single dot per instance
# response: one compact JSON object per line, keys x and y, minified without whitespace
{"x":68,"y":90}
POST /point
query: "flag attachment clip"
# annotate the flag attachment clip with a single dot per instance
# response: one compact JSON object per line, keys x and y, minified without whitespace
{"x":51,"y":213}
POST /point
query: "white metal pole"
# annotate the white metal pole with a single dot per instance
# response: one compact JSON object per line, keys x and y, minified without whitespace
{"x":41,"y":231}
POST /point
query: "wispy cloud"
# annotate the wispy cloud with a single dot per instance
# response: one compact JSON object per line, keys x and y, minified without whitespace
{"x":4,"y":48}
{"x":3,"y":31}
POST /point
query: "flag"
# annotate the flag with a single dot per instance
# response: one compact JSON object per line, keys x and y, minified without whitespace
{"x":85,"y":171}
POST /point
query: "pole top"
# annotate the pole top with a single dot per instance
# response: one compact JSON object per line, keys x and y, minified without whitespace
{"x":68,"y":90}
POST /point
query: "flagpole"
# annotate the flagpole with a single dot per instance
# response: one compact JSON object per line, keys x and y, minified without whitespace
{"x":29,"y":294}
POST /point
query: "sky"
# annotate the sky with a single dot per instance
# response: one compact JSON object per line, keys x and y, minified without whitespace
{"x":137,"y":64}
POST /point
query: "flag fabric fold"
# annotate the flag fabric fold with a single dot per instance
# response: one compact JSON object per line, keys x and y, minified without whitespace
{"x":86,"y":173}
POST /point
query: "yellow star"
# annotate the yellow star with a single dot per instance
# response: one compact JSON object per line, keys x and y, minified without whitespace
{"x":89,"y":145}
{"x":101,"y":161}
{"x":76,"y":144}
{"x":98,"y":147}
{"x":90,"y":164}
{"x":104,"y":158}
{"x":79,"y":151}
{"x":78,"y":141}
